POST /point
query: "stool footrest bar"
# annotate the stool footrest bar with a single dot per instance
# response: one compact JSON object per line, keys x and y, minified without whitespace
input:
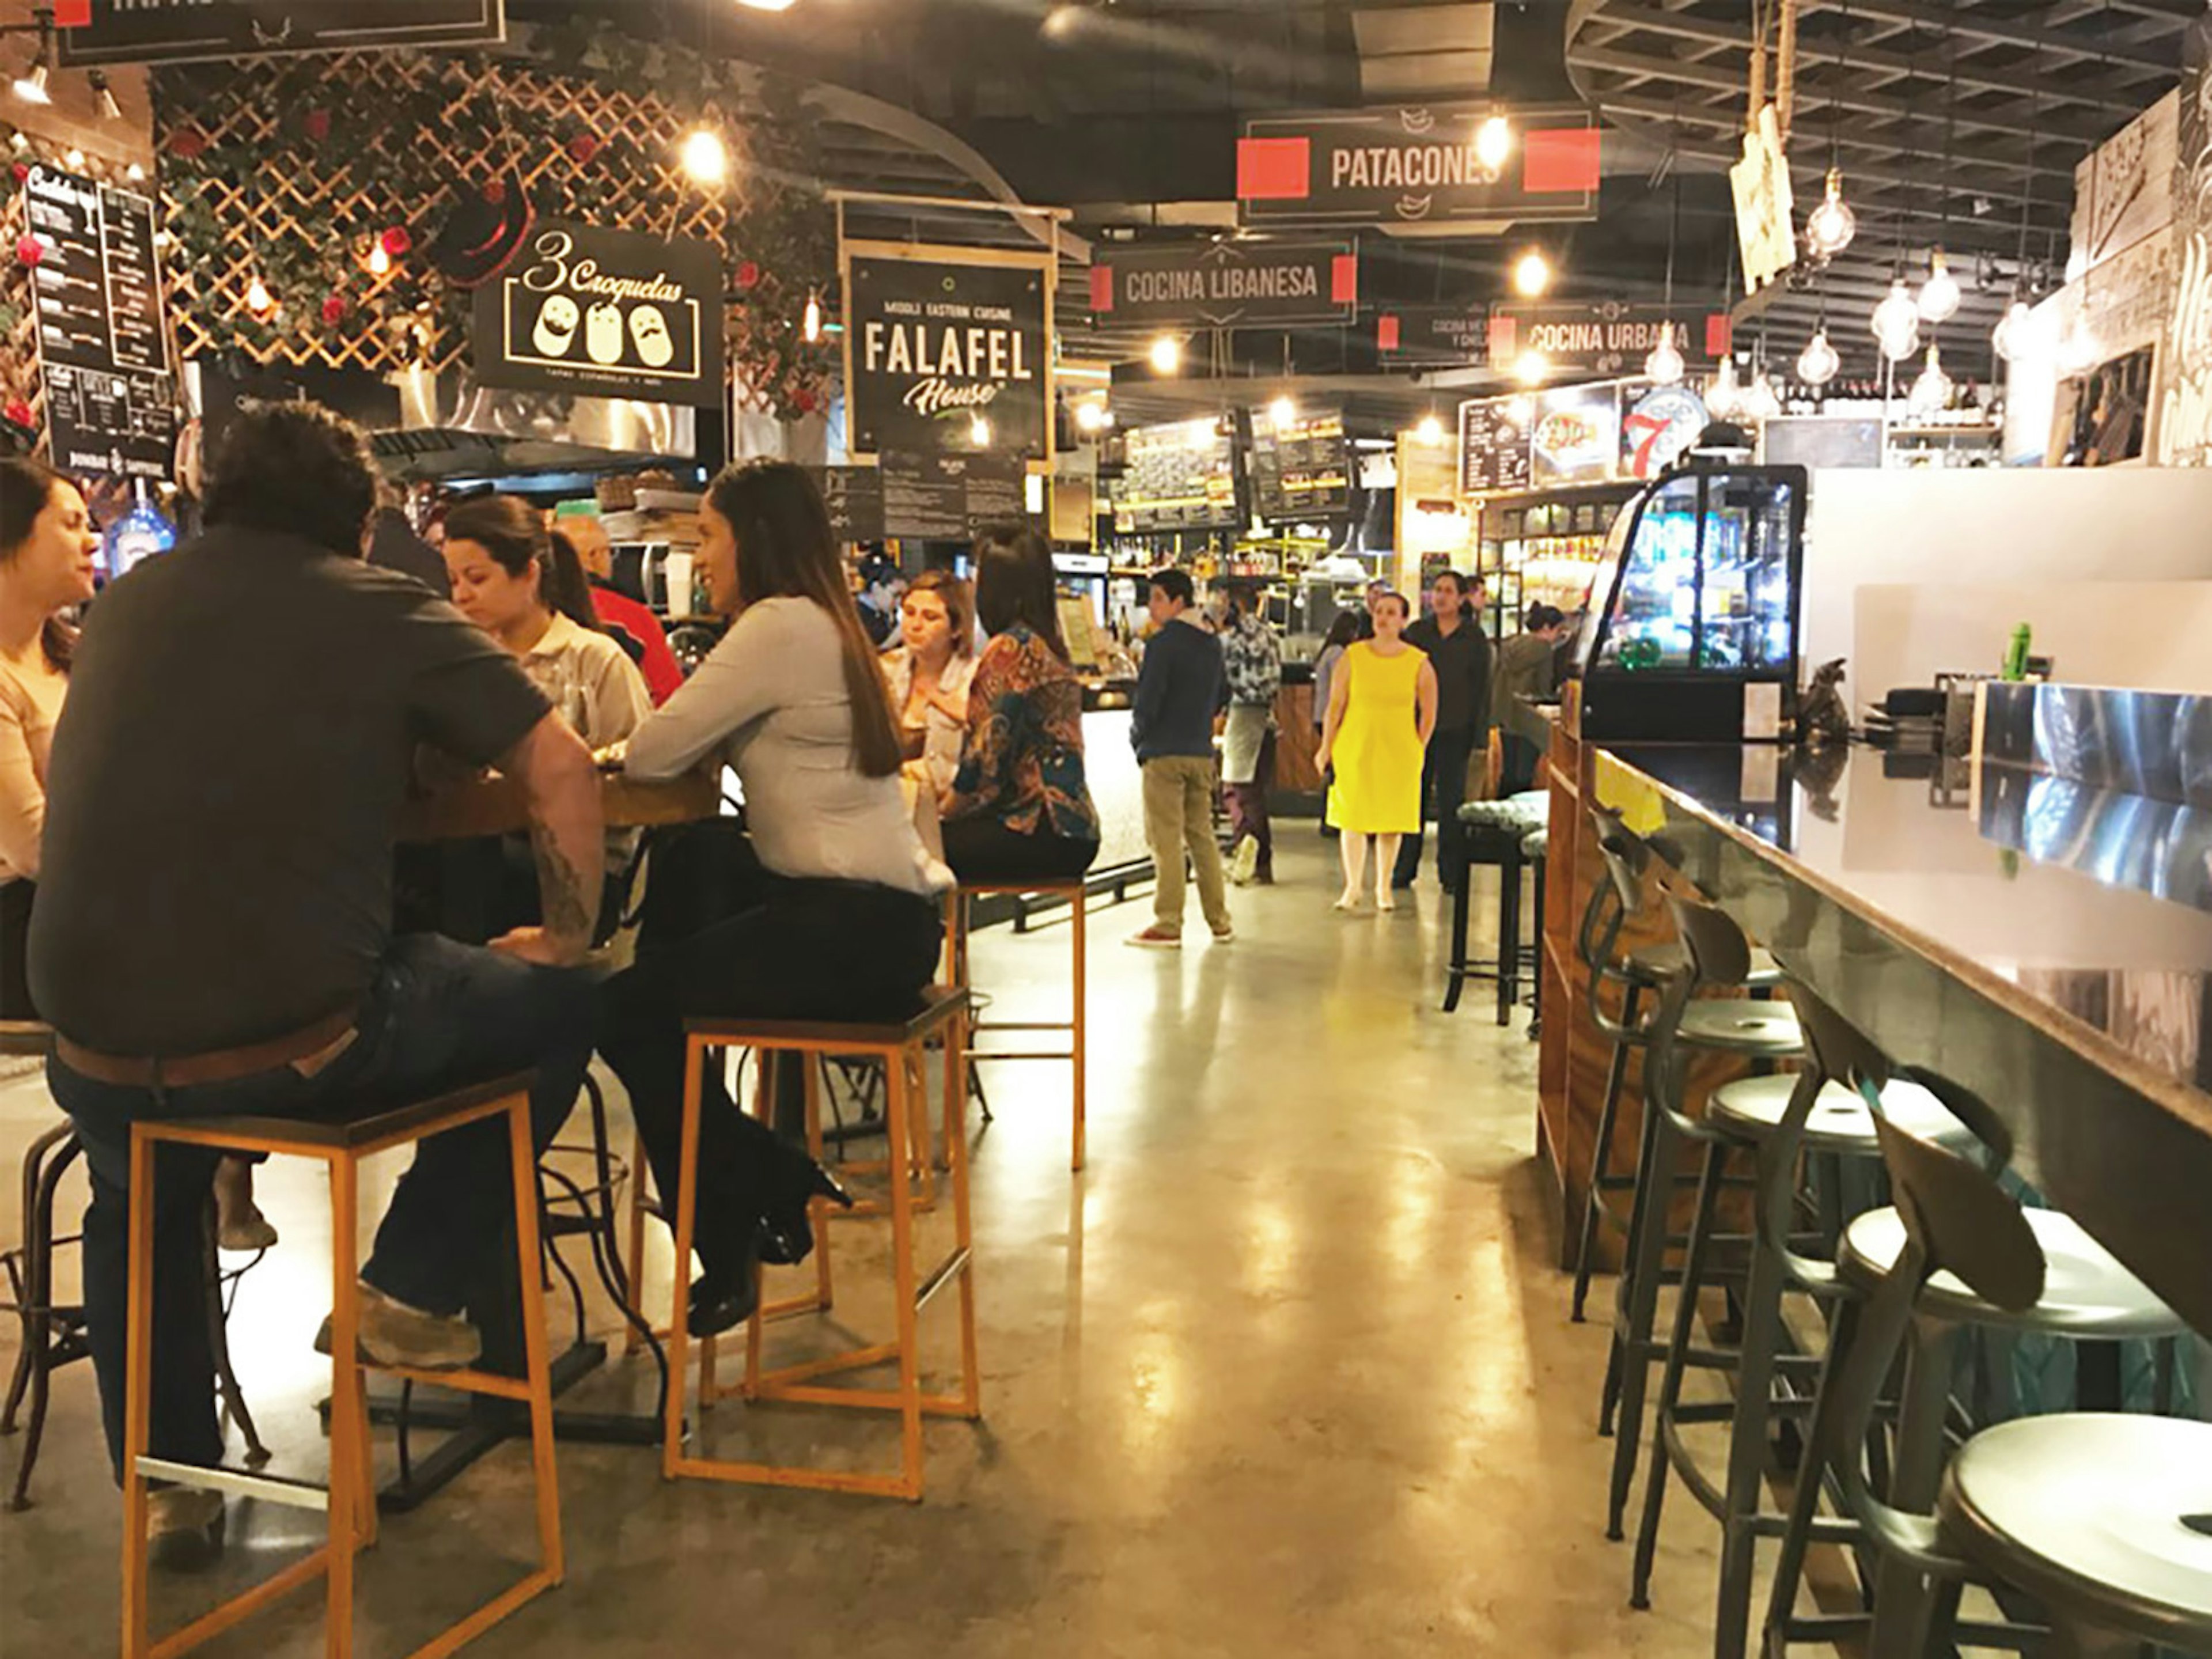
{"x":275,"y":1489}
{"x":940,"y":1276}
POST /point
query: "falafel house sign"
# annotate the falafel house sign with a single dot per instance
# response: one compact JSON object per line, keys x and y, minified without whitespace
{"x":947,"y":353}
{"x":606,"y":313}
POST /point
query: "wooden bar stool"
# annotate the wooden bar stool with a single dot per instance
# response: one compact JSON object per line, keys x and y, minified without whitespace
{"x":958,"y":931}
{"x":902,"y":1049}
{"x":349,"y":1500}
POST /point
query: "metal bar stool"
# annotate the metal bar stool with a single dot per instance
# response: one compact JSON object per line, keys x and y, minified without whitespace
{"x":349,"y":1500}
{"x":1787,"y":1122}
{"x":1491,"y":833}
{"x":902,"y":1048}
{"x":2100,"y":1518}
{"x":958,"y":930}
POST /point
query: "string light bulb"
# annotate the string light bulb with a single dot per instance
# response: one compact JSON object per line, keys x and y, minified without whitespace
{"x":1939,"y":295}
{"x":258,"y":300}
{"x":1818,"y":363}
{"x":979,"y":431}
{"x":2009,"y":338}
{"x":1897,"y":323}
{"x":1090,"y":415}
{"x":810,"y":321}
{"x":1931,"y":391}
{"x":109,"y":109}
{"x":1493,"y":142}
{"x":1531,"y":366}
{"x":1430,"y":431}
{"x":1761,"y":402}
{"x":1166,"y":355}
{"x":73,"y":158}
{"x":1831,"y":224}
{"x":1282,"y":414}
{"x":1724,"y":396}
{"x":706,"y":159}
{"x":1532,"y":274}
{"x":379,"y":261}
{"x":1664,"y":366}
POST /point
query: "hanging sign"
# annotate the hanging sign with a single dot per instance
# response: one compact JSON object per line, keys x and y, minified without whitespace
{"x":1227,"y":283}
{"x":605,"y":314}
{"x":180,"y":31}
{"x":103,"y":345}
{"x":1181,"y":476}
{"x":1659,"y":429}
{"x":1422,"y":165}
{"x":1577,"y":436}
{"x":1493,"y":444}
{"x":946,"y":352}
{"x":1606,"y":336}
{"x":1434,"y":334}
{"x":1760,"y":184}
{"x":1300,"y":468}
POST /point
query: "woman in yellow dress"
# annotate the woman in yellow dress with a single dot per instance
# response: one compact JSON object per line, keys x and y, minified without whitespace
{"x":1382,"y":711}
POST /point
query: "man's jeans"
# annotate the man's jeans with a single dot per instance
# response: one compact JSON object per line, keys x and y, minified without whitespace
{"x":440,"y":1016}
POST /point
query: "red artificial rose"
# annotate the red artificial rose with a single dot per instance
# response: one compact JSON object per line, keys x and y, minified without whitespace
{"x":495,"y":191}
{"x":29,"y":250}
{"x":21,"y":172}
{"x":18,"y":412}
{"x":334,"y":311}
{"x":803,"y":401}
{"x":396,"y":242}
{"x":748,"y":276}
{"x":582,"y":148}
{"x":318,"y":125}
{"x":189,"y":143}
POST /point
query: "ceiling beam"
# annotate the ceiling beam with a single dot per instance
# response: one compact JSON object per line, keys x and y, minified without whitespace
{"x":1969,"y":22}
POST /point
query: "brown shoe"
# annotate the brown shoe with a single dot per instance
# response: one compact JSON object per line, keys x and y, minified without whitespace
{"x":1156,"y":937}
{"x":184,"y":1527}
{"x":392,"y":1334}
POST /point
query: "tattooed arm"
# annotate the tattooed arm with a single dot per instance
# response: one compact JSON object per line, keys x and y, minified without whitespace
{"x":568,"y":832}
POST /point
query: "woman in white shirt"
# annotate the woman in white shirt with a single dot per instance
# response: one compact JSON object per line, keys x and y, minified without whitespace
{"x":930,"y":671}
{"x":841,"y":922}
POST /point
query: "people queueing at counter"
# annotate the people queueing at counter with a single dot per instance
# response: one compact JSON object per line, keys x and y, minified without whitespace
{"x":1452,"y":639}
{"x":1180,"y":686}
{"x":1527,"y":673}
{"x":1019,"y":806}
{"x":1381,"y":713}
{"x":1253,"y":658}
{"x":839,"y":919}
{"x":212,"y":933}
{"x":930,"y":670}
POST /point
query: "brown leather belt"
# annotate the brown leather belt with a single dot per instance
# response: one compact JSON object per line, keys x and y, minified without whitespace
{"x":321,"y":1042}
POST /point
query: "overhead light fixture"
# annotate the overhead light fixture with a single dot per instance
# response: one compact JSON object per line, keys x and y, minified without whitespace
{"x":1939,"y":295}
{"x":1532,"y":274}
{"x":1724,"y":396}
{"x":1831,"y":225}
{"x":1061,"y":23}
{"x":1166,"y":355}
{"x":1493,"y":142}
{"x":1664,"y":366}
{"x":1897,"y":323}
{"x":135,"y":173}
{"x":109,"y":109}
{"x":706,"y":159}
{"x":379,"y":258}
{"x":1090,"y":415}
{"x":1430,"y":431}
{"x":33,"y":86}
{"x":1931,"y":393}
{"x":1761,"y":402}
{"x":979,"y":431}
{"x":2009,"y":338}
{"x":73,"y":158}
{"x":766,"y":5}
{"x":1531,"y":366}
{"x":1283,"y":414}
{"x":1818,"y":363}
{"x":810,"y":321}
{"x":258,"y":300}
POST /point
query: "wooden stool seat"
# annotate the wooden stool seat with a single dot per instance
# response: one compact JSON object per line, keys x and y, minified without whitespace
{"x":26,"y":1039}
{"x":349,"y":1500}
{"x":1075,"y":889}
{"x":901,"y":1047}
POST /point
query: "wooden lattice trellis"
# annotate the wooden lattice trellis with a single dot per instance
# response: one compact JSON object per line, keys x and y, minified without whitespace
{"x":291,"y":169}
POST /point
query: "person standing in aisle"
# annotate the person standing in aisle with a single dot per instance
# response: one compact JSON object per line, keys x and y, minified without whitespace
{"x":1452,"y":639}
{"x":1343,"y":633}
{"x":1382,"y":712}
{"x":1180,"y":686}
{"x":1254,"y":659}
{"x":1527,"y":674}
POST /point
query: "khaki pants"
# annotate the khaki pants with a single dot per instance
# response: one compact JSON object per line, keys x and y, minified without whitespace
{"x":1179,"y":816}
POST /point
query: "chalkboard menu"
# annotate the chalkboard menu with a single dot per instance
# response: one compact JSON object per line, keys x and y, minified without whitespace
{"x":1300,"y":468}
{"x":854,"y":496}
{"x":942,"y":498}
{"x":1179,"y":477}
{"x":103,"y":349}
{"x":1493,"y":445}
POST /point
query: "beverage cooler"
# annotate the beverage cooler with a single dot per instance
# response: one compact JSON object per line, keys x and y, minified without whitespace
{"x":1692,"y":634}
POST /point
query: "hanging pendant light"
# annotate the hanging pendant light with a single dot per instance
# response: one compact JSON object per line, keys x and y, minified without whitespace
{"x":1818,"y":363}
{"x":1931,"y":393}
{"x":1665,"y":366}
{"x":1830,"y":227}
{"x":1897,"y":323}
{"x":1939,"y":295}
{"x":2009,"y":338}
{"x":1761,"y":402}
{"x":1724,"y":396}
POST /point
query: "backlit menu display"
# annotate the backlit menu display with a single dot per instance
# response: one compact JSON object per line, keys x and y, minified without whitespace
{"x":1493,"y":444}
{"x":1181,"y":476}
{"x":1301,"y":467}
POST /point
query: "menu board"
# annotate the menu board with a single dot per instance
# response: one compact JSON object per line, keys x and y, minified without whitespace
{"x":854,"y":496}
{"x":103,"y":349}
{"x":1300,"y":468}
{"x":949,"y":498}
{"x":1178,"y":477}
{"x":1493,"y":444}
{"x":1577,"y":436}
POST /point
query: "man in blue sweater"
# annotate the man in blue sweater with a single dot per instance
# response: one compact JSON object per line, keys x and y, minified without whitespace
{"x":1181,"y":688}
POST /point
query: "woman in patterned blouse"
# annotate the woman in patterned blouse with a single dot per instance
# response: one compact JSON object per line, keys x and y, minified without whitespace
{"x":1018,"y":806}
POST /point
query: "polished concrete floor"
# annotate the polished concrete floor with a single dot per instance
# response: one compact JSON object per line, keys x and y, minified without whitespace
{"x":1287,"y":1371}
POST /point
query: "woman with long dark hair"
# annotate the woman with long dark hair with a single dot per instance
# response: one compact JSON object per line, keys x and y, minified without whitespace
{"x":840,"y":921}
{"x":1019,"y":806}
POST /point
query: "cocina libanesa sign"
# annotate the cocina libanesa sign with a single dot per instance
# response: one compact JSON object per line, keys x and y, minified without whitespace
{"x":1225,"y":283}
{"x":943,"y":355}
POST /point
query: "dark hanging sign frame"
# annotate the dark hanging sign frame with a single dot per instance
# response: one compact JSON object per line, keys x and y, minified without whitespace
{"x":1234,"y":282}
{"x":604,"y":313}
{"x":102,"y":32}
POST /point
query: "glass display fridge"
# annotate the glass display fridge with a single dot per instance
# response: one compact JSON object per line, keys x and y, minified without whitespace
{"x":1692,"y":634}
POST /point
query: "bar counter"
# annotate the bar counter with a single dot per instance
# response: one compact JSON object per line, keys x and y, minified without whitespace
{"x":2065,"y":989}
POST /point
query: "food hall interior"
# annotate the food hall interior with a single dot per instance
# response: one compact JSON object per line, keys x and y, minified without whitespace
{"x":1700,"y":1148}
